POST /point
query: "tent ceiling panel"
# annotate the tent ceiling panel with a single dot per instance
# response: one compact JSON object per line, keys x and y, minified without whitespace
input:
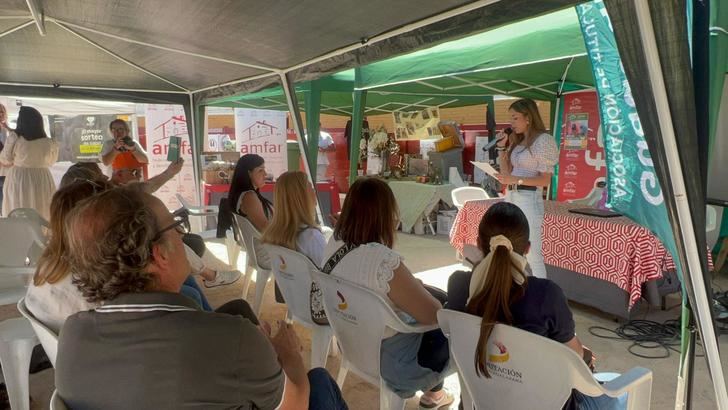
{"x":9,"y":24}
{"x":191,"y":72}
{"x":62,"y":58}
{"x":276,"y":34}
{"x":14,"y":8}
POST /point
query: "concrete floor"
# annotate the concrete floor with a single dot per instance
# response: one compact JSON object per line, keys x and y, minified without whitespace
{"x":428,"y":253}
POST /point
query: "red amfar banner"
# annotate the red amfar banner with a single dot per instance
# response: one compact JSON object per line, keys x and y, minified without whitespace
{"x":582,"y":162}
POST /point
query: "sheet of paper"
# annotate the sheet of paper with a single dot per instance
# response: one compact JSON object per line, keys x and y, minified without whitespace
{"x":485,"y":167}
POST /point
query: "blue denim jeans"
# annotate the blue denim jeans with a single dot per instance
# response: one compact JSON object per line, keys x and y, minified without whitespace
{"x":192,"y":290}
{"x":531,"y":203}
{"x":324,"y":393}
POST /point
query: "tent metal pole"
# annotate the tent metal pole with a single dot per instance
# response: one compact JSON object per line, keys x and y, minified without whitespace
{"x":16,"y":28}
{"x":120,"y":58}
{"x":295,"y":112}
{"x":157,"y":46}
{"x":357,"y":121}
{"x":192,"y":134}
{"x":694,"y":269}
{"x":37,"y":12}
{"x":81,"y":87}
{"x":313,"y":126}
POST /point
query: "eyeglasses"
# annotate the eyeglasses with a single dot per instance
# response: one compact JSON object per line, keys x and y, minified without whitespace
{"x":180,"y":225}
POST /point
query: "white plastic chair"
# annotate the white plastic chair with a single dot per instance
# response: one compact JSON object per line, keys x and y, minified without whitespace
{"x":47,"y":337}
{"x":467,"y":193}
{"x":292,"y":272}
{"x":17,"y":341}
{"x":711,"y":218}
{"x":529,"y":371}
{"x":359,"y":318}
{"x":56,"y":402}
{"x":257,"y":259}
{"x":39,"y":224}
{"x":200,"y":211}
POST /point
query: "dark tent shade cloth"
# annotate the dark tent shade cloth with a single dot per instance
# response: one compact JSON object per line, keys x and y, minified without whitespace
{"x":670,"y":27}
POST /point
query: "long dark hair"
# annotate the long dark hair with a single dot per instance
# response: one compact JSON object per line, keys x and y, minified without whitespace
{"x":529,"y":109}
{"x":493,"y":301}
{"x":369,"y":214}
{"x":241,"y":182}
{"x":30,"y":124}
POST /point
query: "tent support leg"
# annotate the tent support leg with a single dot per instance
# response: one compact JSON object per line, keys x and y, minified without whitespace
{"x":360,"y":102}
{"x":313,"y":125}
{"x":295,"y":112}
{"x":693,"y":271}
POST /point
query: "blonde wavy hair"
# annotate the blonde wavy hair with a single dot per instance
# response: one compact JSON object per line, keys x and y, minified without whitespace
{"x":294,"y":208}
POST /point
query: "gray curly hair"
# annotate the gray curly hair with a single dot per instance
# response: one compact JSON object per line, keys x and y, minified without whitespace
{"x":110,"y":237}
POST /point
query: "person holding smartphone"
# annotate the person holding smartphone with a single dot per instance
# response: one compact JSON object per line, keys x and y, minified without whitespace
{"x":527,"y":156}
{"x":122,"y":153}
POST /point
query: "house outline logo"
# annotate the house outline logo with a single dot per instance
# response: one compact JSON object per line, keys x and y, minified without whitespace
{"x":498,"y":353}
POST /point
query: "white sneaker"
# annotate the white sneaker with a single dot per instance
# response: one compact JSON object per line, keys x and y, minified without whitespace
{"x":223,"y":277}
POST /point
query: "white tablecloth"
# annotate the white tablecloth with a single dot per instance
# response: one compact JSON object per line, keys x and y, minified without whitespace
{"x":415,"y":200}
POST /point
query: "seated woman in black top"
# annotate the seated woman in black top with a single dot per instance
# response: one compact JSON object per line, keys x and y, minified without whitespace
{"x":499,"y":291}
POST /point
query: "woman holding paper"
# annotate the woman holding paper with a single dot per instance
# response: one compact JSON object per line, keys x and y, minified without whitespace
{"x":527,"y":156}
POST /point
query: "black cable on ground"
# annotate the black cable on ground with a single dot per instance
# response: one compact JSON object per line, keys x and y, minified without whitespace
{"x":645,"y":335}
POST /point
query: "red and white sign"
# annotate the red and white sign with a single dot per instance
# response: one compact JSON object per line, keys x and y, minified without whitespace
{"x":163,"y":121}
{"x":582,"y":161}
{"x":263,"y":132}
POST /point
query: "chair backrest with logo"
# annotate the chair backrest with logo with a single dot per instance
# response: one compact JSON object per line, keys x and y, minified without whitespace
{"x":528,"y":371}
{"x":292,"y":271}
{"x":467,"y":193}
{"x":18,"y":252}
{"x":359,"y":318}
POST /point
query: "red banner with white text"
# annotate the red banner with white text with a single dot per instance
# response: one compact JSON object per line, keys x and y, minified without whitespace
{"x":582,"y":162}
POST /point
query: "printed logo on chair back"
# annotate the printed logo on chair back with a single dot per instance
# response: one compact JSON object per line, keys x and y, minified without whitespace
{"x":341,"y":308}
{"x":498,"y":353}
{"x":282,"y":266}
{"x":498,"y":357}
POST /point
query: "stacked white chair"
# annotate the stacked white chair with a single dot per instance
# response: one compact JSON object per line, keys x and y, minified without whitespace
{"x":257,"y":259}
{"x":292,"y":272}
{"x":467,"y":193}
{"x":359,"y":318}
{"x":529,"y":371}
{"x":17,"y":339}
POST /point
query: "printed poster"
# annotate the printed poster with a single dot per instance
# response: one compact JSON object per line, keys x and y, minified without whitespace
{"x":418,"y":125}
{"x":582,"y":161}
{"x":263,"y":132}
{"x":162,"y":122}
{"x":83,"y":136}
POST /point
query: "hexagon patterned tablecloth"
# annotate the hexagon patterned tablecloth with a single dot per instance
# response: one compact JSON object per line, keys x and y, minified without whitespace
{"x":612,"y":249}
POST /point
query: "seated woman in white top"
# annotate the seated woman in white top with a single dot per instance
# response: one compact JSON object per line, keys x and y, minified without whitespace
{"x":294,"y":227}
{"x":244,"y":195}
{"x":365,"y":232}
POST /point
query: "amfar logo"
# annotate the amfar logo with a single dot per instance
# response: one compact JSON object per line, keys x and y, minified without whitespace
{"x":498,"y":356}
{"x":342,"y":305}
{"x":90,"y":121}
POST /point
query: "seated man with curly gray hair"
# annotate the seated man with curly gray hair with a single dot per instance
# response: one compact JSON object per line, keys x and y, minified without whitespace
{"x":140,"y":349}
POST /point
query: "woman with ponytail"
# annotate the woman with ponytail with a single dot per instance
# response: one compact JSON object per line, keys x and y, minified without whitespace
{"x":499,"y":291}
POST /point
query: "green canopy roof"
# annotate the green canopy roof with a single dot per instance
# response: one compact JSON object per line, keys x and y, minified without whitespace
{"x":525,"y":59}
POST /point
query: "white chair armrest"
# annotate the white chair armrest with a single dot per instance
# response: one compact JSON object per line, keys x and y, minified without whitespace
{"x":625,"y":382}
{"x":203,"y":210}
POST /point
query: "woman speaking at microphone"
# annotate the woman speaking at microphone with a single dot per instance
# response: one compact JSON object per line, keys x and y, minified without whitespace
{"x":527,"y":157}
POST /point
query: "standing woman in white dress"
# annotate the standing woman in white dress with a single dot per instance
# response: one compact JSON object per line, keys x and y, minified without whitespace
{"x":29,"y":153}
{"x":527,"y":157}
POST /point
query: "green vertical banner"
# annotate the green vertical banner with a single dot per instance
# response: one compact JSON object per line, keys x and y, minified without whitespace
{"x":634,"y":189}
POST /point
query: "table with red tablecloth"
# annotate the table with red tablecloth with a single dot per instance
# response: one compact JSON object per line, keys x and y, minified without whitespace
{"x":616,"y":250}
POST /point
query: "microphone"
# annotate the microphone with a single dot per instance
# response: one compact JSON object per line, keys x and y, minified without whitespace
{"x":491,"y":144}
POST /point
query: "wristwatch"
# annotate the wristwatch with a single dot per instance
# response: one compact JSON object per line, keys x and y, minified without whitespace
{"x":520,"y":182}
